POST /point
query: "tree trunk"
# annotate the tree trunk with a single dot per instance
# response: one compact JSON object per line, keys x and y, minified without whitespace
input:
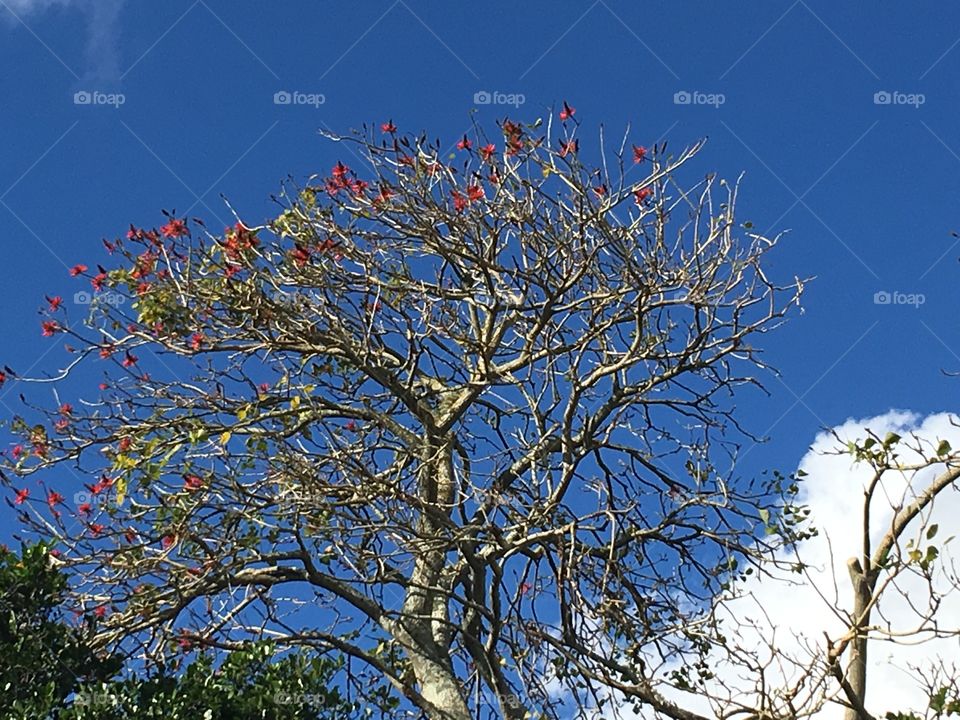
{"x":856,"y":673}
{"x":424,"y":623}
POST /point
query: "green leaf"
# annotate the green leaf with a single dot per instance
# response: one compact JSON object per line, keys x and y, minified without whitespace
{"x":943,"y":448}
{"x":932,"y":530}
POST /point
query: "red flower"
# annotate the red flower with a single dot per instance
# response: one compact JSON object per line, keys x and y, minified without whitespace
{"x":385,"y":194}
{"x":130,"y":535}
{"x":264,"y":387}
{"x":300,"y":256}
{"x":96,"y":529}
{"x":124,"y":444}
{"x":388,"y":127}
{"x":166,"y":541}
{"x":103,"y":386}
{"x":642,"y":194}
{"x":340,"y":171}
{"x":84,"y":508}
{"x":474,"y":192}
{"x":22,"y":495}
{"x":3,"y":378}
{"x":567,"y":112}
{"x":487,"y":151}
{"x":97,"y":281}
{"x":464,"y":143}
{"x":54,"y":498}
{"x":55,"y":302}
{"x":196,"y":340}
{"x":351,"y":426}
{"x":175,"y":228}
{"x":570,"y":146}
{"x":525,"y":588}
{"x":49,"y":328}
{"x":129,"y":359}
{"x":459,"y":201}
{"x":17,"y":451}
{"x":193,"y":482}
{"x":639,"y":153}
{"x":100,"y":611}
{"x":109,"y":246}
{"x":600,"y":190}
{"x":77,"y":270}
{"x":66,"y":409}
{"x":106,"y":351}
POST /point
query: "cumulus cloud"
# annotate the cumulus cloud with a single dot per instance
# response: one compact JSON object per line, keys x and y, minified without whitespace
{"x":101,"y":53}
{"x":793,"y":616}
{"x":802,"y":613}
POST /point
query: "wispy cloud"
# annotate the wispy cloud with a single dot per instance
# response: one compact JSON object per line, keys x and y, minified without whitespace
{"x":102,"y":50}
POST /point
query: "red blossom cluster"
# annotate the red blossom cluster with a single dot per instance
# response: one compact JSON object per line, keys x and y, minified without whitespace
{"x":514,"y":136}
{"x":343,"y":178}
{"x":175,"y":228}
{"x":641,"y":195}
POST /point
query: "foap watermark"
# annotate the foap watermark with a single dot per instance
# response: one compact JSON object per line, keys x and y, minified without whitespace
{"x":695,"y":97}
{"x":295,"y":97}
{"x":96,"y":97}
{"x":495,"y":97}
{"x":895,"y":97}
{"x":288,"y":698}
{"x":84,"y":297}
{"x":294,"y":297}
{"x":87,"y":500}
{"x":95,"y":698}
{"x":882,"y":297}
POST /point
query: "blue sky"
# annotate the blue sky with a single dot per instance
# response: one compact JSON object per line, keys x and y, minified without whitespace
{"x":787,"y":92}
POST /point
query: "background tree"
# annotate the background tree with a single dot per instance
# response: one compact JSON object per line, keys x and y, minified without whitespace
{"x":42,"y":659}
{"x":459,"y":416}
{"x":50,"y":671}
{"x":248,"y":685}
{"x":901,"y":561}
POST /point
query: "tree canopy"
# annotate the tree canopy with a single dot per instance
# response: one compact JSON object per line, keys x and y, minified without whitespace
{"x":466,"y":418}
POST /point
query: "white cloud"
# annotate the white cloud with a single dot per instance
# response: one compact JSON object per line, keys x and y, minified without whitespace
{"x":101,"y":54}
{"x":798,"y":615}
{"x":802,"y":613}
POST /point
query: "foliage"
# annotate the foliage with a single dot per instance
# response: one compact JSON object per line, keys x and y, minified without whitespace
{"x":472,"y":409}
{"x":49,"y":669}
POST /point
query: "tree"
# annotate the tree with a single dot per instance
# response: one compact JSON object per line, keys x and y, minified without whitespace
{"x":50,"y":671}
{"x":42,"y":659}
{"x":899,"y":545}
{"x":459,"y":417}
{"x":247,"y":685}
